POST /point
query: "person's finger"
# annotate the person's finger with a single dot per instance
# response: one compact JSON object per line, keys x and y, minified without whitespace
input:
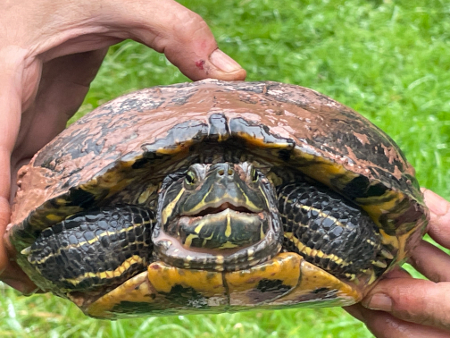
{"x":10,"y":108}
{"x":413,"y":300}
{"x":431,"y":262}
{"x":64,"y":83}
{"x":14,"y":277}
{"x":183,"y":36}
{"x":439,"y":227}
{"x":10,"y":116}
{"x":11,"y":97}
{"x":384,"y":325}
{"x":164,"y":25}
{"x":63,"y":86}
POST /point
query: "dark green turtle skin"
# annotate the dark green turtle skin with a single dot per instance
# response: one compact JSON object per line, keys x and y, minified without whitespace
{"x":215,"y":196}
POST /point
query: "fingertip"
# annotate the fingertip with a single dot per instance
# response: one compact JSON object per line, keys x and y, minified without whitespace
{"x":181,"y":34}
{"x":411,"y":300}
{"x":402,"y":291}
{"x":439,"y":225}
{"x":437,"y":204}
{"x":225,"y":68}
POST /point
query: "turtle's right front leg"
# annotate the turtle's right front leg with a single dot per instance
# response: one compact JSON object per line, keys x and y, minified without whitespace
{"x":94,"y":249}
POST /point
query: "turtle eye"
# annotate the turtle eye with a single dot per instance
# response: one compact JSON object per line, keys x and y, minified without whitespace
{"x":190,"y":177}
{"x":254,"y":174}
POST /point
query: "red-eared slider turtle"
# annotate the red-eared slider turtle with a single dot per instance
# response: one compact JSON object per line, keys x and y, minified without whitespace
{"x":215,"y":196}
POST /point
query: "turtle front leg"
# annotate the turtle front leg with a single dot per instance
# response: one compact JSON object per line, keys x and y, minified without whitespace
{"x":330,"y":232}
{"x":95,"y":249}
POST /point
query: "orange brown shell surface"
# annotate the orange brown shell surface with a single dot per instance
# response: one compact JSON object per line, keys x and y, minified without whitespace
{"x":94,"y":162}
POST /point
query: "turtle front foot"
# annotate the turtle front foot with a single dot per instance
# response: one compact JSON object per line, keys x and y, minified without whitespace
{"x":331,"y":233}
{"x":94,"y":249}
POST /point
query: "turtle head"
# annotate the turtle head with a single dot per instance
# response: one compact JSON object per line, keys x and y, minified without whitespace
{"x":219,"y":216}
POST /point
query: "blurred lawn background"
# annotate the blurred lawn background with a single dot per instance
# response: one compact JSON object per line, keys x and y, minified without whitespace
{"x":389,"y":60}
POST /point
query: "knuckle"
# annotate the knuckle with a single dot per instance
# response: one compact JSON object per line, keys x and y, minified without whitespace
{"x":192,"y":25}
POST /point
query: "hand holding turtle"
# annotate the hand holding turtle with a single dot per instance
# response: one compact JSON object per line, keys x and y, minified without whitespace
{"x":401,"y":306}
{"x":49,"y":54}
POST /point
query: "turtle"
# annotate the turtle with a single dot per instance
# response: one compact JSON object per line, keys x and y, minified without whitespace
{"x":213,"y":196}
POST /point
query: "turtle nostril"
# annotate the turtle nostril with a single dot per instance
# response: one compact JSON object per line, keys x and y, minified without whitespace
{"x":225,"y":170}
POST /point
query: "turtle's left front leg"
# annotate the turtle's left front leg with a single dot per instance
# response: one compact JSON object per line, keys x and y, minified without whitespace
{"x":330,"y":232}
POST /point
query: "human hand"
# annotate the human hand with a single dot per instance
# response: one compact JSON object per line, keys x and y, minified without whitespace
{"x":51,"y":51}
{"x":401,"y":306}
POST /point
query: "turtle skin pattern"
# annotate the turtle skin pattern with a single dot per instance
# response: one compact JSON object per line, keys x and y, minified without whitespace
{"x":287,"y":132}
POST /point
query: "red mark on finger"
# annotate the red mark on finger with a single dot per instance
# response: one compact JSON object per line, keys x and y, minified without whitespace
{"x":200,"y":64}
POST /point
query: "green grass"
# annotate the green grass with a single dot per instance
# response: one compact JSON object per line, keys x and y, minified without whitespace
{"x":388,"y":60}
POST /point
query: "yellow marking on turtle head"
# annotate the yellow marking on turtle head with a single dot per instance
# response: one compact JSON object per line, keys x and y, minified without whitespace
{"x":168,"y":210}
{"x":262,"y":235}
{"x":228,"y":245}
{"x":188,"y":241}
{"x":228,"y":228}
{"x":206,"y":239}
{"x":199,"y":227}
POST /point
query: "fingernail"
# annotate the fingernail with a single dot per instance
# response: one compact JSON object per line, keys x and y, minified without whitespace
{"x":379,"y":302}
{"x":223,"y":61}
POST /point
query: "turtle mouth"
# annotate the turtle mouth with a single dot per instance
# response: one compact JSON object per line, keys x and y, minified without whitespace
{"x":224,"y":206}
{"x":225,"y":237}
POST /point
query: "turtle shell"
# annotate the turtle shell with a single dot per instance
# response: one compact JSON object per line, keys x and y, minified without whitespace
{"x":105,"y":157}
